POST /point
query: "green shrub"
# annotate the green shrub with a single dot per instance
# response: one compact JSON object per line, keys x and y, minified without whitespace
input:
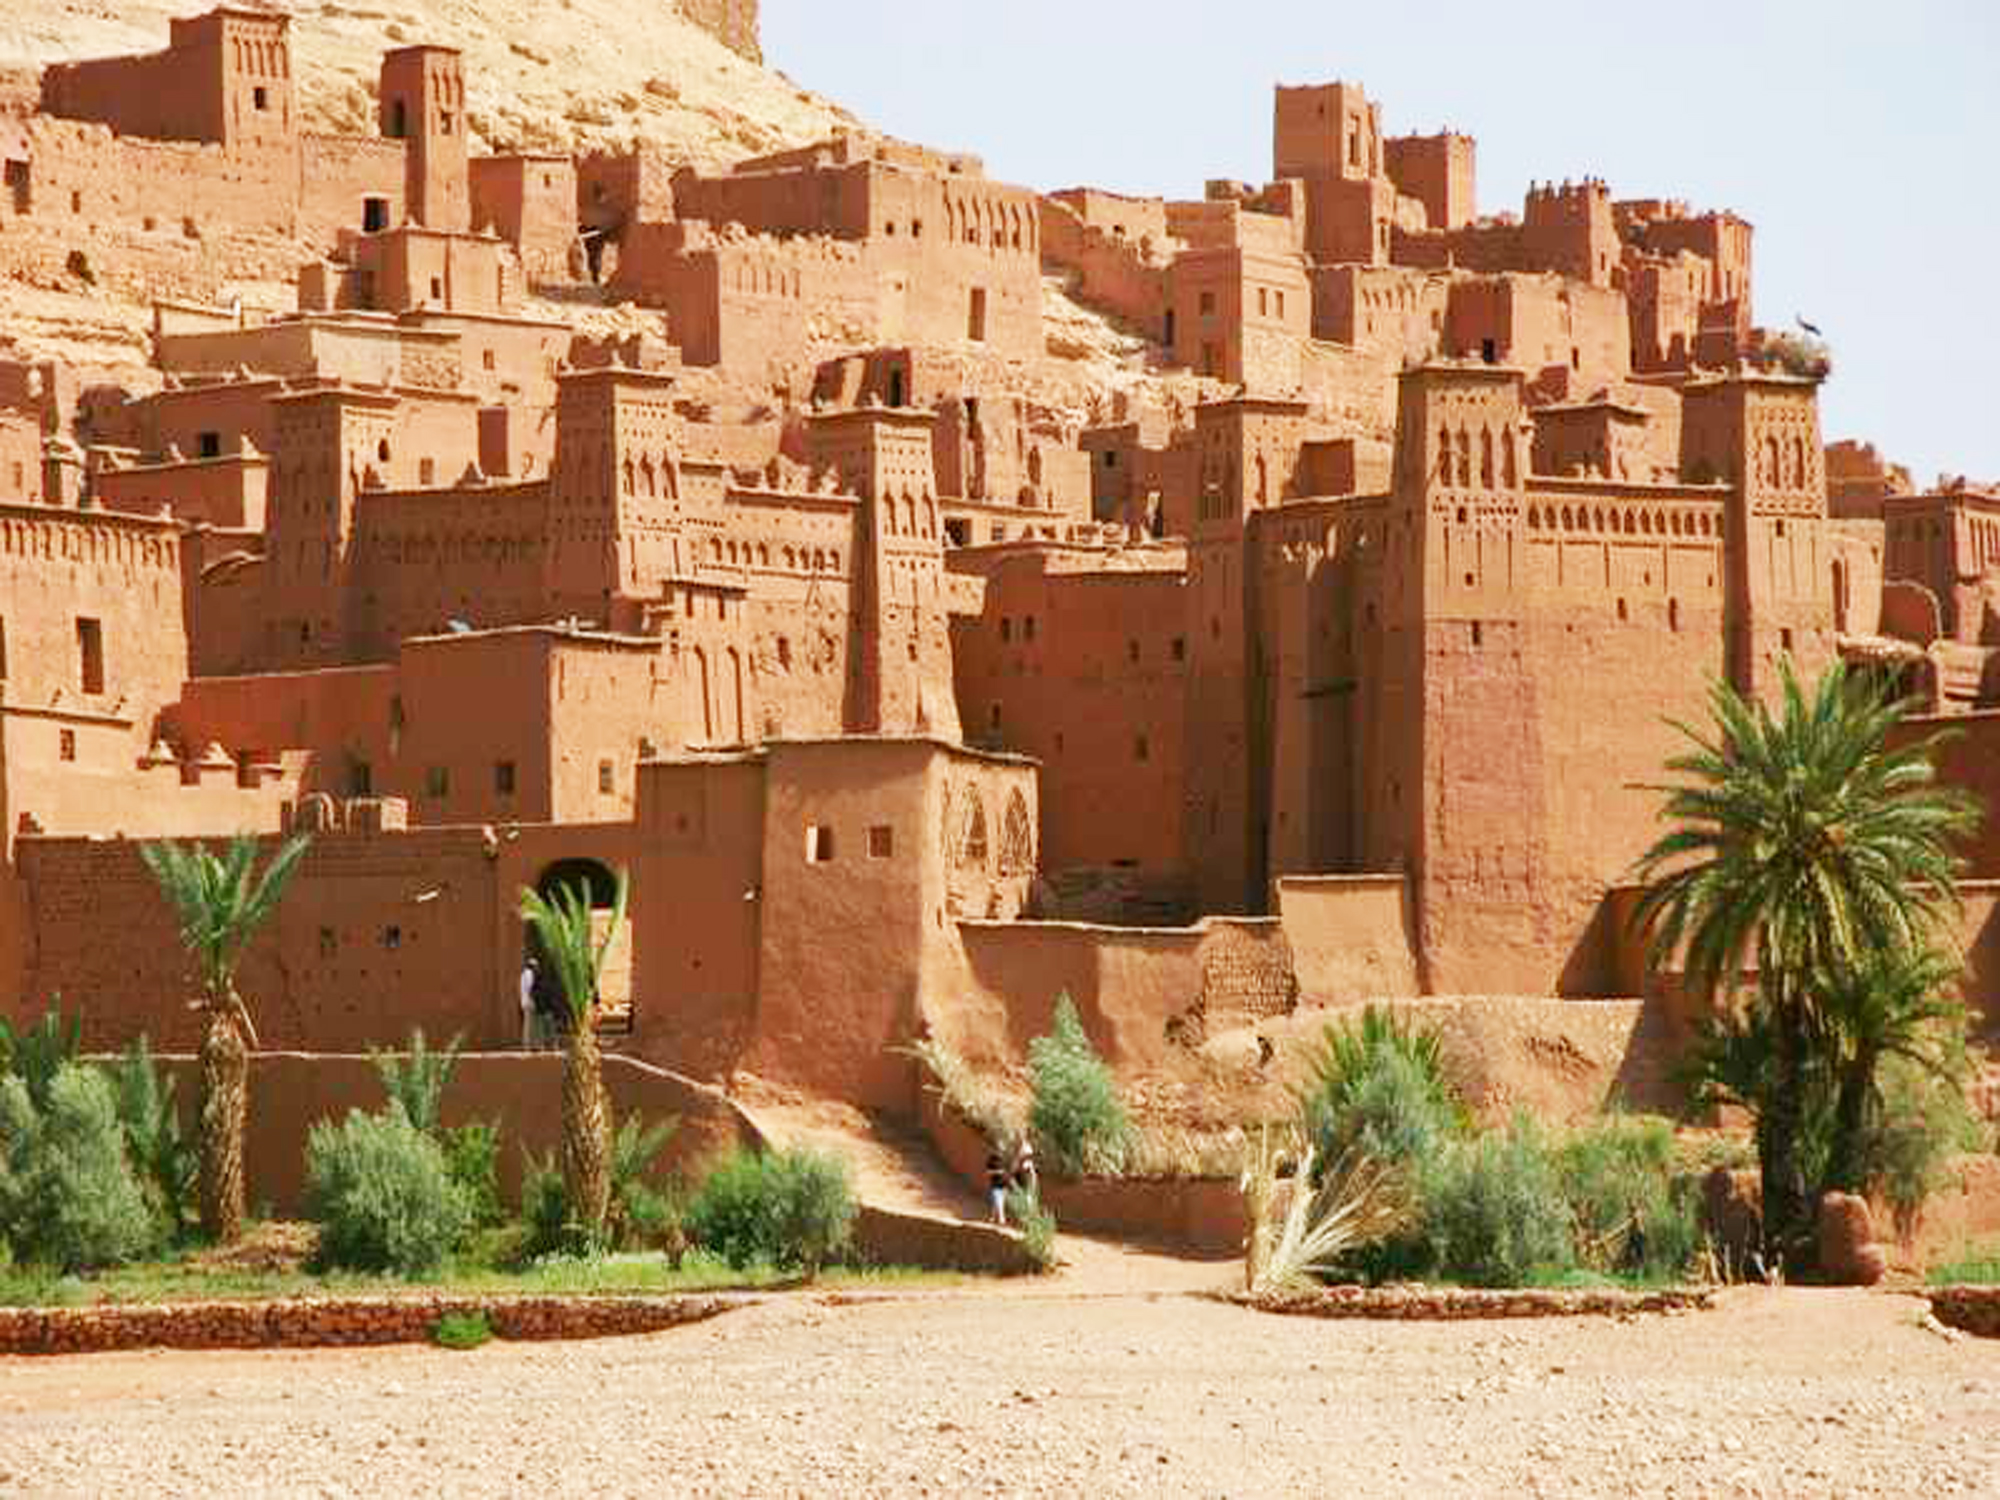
{"x":643,"y":1213}
{"x":1632,"y":1212}
{"x":382,"y":1195}
{"x":1037,"y":1223}
{"x":68,"y":1196}
{"x":162,"y":1151}
{"x":545,"y":1210}
{"x":1075,"y":1113}
{"x":1924,"y":1121}
{"x":1493,"y":1209}
{"x":417,"y":1079}
{"x":462,"y":1331}
{"x":1378,"y":1086}
{"x":35,"y":1053}
{"x":789,"y":1209}
{"x":472,"y":1159}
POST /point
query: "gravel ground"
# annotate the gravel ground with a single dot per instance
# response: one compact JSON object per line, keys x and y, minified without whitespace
{"x":1775,"y":1393}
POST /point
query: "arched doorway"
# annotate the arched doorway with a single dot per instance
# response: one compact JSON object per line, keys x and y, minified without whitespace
{"x":601,"y":886}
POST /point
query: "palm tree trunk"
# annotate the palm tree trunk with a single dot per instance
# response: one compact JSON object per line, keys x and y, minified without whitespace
{"x":1787,"y":1211}
{"x":1844,"y":1168}
{"x":225,"y":1097}
{"x":586,"y":1127}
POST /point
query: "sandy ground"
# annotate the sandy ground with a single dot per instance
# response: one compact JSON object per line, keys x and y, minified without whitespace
{"x":1051,"y":1392}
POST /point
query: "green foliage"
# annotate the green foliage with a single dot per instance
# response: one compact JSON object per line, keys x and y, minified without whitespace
{"x":68,"y":1196}
{"x":219,"y":899}
{"x":382,"y":1195}
{"x":161,"y":1149}
{"x":792,"y":1209}
{"x":1494,"y":1212}
{"x":1978,"y":1267}
{"x":563,"y":927}
{"x":1923,"y":1121}
{"x":1076,"y":1114}
{"x":472,"y":1160}
{"x":1386,"y":1097}
{"x":642,"y":1212}
{"x":1037,"y":1224}
{"x":545,"y":1211}
{"x":1802,"y":843}
{"x":417,"y":1080}
{"x":1632,"y":1212}
{"x":34,"y":1053}
{"x":462,"y":1331}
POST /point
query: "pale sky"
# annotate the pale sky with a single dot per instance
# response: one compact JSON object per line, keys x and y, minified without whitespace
{"x":1861,"y":139}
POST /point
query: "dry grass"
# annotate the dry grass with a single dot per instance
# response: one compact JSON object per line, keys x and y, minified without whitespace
{"x":1358,"y":1202}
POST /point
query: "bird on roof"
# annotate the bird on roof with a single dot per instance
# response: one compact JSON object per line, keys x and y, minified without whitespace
{"x":1808,"y":327}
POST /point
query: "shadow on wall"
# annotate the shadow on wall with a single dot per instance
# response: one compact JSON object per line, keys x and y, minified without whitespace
{"x":291,"y":1091}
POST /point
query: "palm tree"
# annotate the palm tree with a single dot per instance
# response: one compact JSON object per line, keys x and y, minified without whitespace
{"x":562,"y":926}
{"x":1898,"y":1002}
{"x":221,"y":902}
{"x":1801,"y":842}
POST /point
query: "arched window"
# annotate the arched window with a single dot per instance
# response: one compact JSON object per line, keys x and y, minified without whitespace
{"x":1017,"y":837}
{"x":1486,"y":457}
{"x":1464,"y":457}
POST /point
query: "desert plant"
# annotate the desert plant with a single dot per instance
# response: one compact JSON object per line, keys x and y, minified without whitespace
{"x":1493,"y":1208}
{"x":1920,"y":1123}
{"x":982,"y":1105}
{"x":1075,"y":1114}
{"x":641,"y":1211}
{"x":381,"y":1193}
{"x":221,"y":901}
{"x":462,"y":1331}
{"x":791,"y":1209}
{"x":567,"y":936}
{"x":34,"y":1053}
{"x":472,"y":1158}
{"x":1037,"y":1224}
{"x":417,"y":1078}
{"x":68,"y":1196}
{"x":1801,"y":842}
{"x":1631,"y":1210}
{"x":1303,"y":1221}
{"x":155,"y":1138}
{"x":545,"y":1210}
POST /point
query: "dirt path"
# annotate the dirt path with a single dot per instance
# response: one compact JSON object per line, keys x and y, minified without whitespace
{"x":1776,"y":1393}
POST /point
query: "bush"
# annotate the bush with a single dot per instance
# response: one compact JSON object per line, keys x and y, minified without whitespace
{"x":417,"y":1080}
{"x":1076,"y":1114}
{"x":1924,"y":1121}
{"x":1494,"y":1213}
{"x":462,"y":1331}
{"x":545,"y":1210}
{"x":1037,"y":1223}
{"x":472,"y":1160}
{"x":160,"y":1149}
{"x":68,"y":1195}
{"x":1631,"y":1211}
{"x":1378,"y":1087}
{"x":789,"y":1209}
{"x":382,"y":1195}
{"x":643,"y":1213}
{"x":35,"y":1053}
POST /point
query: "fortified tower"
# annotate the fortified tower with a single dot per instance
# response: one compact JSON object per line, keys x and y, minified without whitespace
{"x":615,"y":504}
{"x":423,"y":104}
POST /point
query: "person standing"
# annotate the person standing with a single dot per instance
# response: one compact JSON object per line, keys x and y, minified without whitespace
{"x":996,"y":1186}
{"x":530,"y":978}
{"x":1024,"y":1168}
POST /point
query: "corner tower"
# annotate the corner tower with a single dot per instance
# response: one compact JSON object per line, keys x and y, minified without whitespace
{"x":423,"y":105}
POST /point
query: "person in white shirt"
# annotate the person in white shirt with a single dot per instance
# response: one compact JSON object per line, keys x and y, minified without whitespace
{"x":529,"y":977}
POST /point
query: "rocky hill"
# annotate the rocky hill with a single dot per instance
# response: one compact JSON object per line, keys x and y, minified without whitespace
{"x":541,"y":74}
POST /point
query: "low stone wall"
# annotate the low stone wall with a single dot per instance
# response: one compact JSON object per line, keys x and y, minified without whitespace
{"x":1451,"y":1304}
{"x":1202,"y":1215}
{"x":342,"y":1322}
{"x":888,"y":1237}
{"x":1975,"y":1309}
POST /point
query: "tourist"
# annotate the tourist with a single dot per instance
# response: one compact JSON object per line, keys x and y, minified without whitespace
{"x":996,"y":1186}
{"x":1024,"y":1167}
{"x":530,"y":977}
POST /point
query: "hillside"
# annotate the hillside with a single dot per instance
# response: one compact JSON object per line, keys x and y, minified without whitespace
{"x":540,"y":75}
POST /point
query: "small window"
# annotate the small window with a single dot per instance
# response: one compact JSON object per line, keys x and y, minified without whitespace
{"x":437,"y":782}
{"x":488,"y":360}
{"x":1027,"y":627}
{"x":260,"y":97}
{"x":819,"y":844}
{"x":90,"y":654}
{"x":1207,"y":304}
{"x":426,"y":471}
{"x":975,"y":318}
{"x":1132,"y":651}
{"x":374,"y":215}
{"x":1785,"y":639}
{"x":503,"y":777}
{"x":210,"y":444}
{"x":1180,"y":648}
{"x":66,"y":744}
{"x":361,"y":780}
{"x":993,"y":718}
{"x":392,"y":937}
{"x":399,"y":119}
{"x":437,"y":289}
{"x":76,"y":203}
{"x":607,"y":777}
{"x":1142,"y":748}
{"x":1006,"y":628}
{"x":881,"y":841}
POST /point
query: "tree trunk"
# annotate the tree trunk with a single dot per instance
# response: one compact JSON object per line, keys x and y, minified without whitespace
{"x":1844,"y":1168}
{"x":586,"y":1128}
{"x":1787,"y":1205}
{"x":225,"y":1097}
